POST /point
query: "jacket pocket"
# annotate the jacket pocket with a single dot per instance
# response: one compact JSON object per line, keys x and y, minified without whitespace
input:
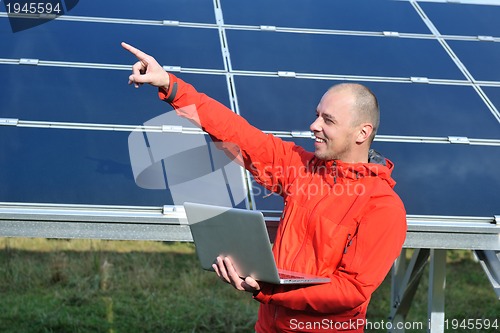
{"x":331,"y":246}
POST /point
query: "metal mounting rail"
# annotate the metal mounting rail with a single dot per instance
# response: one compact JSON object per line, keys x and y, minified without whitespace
{"x":168,"y":223}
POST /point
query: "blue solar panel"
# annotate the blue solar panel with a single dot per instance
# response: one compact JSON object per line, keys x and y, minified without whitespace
{"x":81,"y":77}
{"x":493,"y":94}
{"x":440,"y":179}
{"x":343,"y":55}
{"x":326,"y":14}
{"x":406,"y":109}
{"x":70,"y":166}
{"x":185,"y":10}
{"x":464,"y":19}
{"x":434,"y":110}
{"x":281,"y":104}
{"x":100,"y":43}
{"x":482,"y":59}
{"x":88,"y":95}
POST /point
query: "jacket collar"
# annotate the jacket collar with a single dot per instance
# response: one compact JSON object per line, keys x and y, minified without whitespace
{"x":377,"y":166}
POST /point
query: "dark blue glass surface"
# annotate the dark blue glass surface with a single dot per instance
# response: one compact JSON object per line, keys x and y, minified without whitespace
{"x":406,"y":109}
{"x":88,"y":95}
{"x":95,"y":167}
{"x":440,"y":179}
{"x":326,"y":14}
{"x":482,"y":59}
{"x":464,"y":19}
{"x":100,"y":42}
{"x":342,"y":55}
{"x":185,"y":10}
{"x":434,"y":110}
{"x":71,"y":167}
{"x":493,"y":94}
{"x":280,"y":104}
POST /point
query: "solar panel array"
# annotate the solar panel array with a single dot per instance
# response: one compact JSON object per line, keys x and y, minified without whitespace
{"x":67,"y":109}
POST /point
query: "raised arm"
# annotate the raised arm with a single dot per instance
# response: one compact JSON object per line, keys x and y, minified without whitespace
{"x":265,"y":156}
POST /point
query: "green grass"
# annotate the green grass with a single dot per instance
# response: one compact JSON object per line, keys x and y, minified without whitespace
{"x":120,"y":286}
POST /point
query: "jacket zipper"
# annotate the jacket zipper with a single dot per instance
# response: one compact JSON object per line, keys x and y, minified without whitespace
{"x":335,"y":173}
{"x":348,"y":243}
{"x":284,"y":225}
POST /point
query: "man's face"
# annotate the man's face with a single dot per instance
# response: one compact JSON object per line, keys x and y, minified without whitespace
{"x":335,"y":135}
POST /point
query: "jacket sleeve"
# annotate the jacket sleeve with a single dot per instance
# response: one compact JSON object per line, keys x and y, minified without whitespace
{"x":264,"y":155}
{"x":378,"y":243}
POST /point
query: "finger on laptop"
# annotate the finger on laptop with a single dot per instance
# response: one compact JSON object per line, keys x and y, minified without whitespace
{"x":234,"y":277}
{"x":221,"y":270}
{"x":250,"y":284}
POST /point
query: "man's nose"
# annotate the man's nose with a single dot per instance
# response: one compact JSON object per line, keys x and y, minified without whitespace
{"x":316,"y":125}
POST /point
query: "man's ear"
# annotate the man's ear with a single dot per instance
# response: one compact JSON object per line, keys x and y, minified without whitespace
{"x":365,"y":130}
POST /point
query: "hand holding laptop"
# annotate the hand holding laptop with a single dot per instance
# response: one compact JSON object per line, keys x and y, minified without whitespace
{"x":241,"y":235}
{"x":226,"y":272}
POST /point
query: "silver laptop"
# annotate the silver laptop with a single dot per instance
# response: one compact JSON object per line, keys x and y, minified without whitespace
{"x":242,"y":236}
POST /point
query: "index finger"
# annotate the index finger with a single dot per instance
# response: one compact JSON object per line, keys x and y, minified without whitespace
{"x":138,"y":53}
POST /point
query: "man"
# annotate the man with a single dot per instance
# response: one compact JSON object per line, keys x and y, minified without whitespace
{"x":341,"y":217}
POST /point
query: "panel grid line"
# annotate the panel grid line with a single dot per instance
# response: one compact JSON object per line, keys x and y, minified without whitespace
{"x":208,"y":71}
{"x":233,"y":97}
{"x":166,"y":128}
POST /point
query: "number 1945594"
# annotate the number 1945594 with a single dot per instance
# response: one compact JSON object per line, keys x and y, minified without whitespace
{"x":33,"y":8}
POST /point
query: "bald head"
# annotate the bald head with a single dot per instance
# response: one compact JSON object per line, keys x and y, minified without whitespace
{"x":364,"y":105}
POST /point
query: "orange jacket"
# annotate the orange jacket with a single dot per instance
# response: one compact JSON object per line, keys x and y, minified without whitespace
{"x":340,"y":220}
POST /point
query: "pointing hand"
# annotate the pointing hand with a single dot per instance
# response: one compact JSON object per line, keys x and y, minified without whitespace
{"x":146,"y":70}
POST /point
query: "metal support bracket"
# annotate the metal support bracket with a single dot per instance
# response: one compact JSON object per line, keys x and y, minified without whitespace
{"x":405,"y":284}
{"x":391,"y":33}
{"x":25,"y":61}
{"x":490,"y":261}
{"x":172,"y":68}
{"x":437,"y":283}
{"x":171,"y":128}
{"x":459,"y":139}
{"x":267,"y":28}
{"x":486,"y":38}
{"x":286,"y":74}
{"x":9,"y":121}
{"x":416,"y":79}
{"x":170,"y":23}
{"x":302,"y":134}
